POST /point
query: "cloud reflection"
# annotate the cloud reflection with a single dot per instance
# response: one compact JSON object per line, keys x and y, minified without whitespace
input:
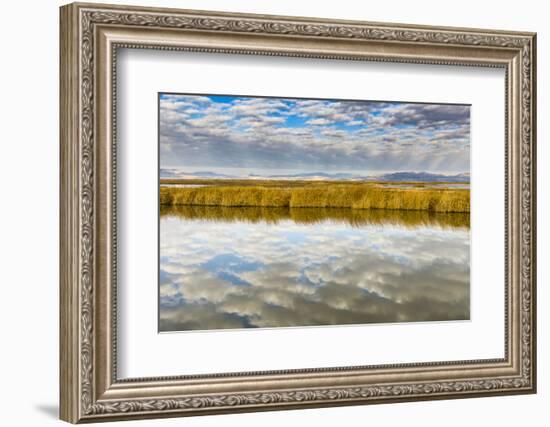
{"x":227,"y":274}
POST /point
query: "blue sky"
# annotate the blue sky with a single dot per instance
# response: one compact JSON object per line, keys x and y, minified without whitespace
{"x":265,"y":135}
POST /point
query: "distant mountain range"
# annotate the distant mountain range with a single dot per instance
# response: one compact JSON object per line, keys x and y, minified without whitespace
{"x":178,"y":174}
{"x":395,"y":176}
{"x":424,"y":177}
{"x":310,"y":175}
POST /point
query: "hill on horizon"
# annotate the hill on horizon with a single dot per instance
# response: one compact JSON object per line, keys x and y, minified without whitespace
{"x":173,"y":173}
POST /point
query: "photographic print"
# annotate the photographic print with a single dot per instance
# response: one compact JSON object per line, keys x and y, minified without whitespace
{"x":288,"y":212}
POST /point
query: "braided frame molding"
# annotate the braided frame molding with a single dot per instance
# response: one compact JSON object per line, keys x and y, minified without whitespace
{"x":305,"y":396}
{"x":89,"y":18}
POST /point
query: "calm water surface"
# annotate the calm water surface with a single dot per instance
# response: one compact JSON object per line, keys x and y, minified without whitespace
{"x":451,"y":185}
{"x":225,"y":268}
{"x":182,"y":185}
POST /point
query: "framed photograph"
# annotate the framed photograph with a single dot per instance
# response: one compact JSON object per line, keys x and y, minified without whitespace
{"x":266,"y":212}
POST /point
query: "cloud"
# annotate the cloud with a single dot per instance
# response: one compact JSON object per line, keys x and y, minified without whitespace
{"x":319,"y":121}
{"x":279,"y":133}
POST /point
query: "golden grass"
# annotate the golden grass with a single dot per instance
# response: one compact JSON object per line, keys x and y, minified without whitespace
{"x":321,"y":195}
{"x":353,"y":217}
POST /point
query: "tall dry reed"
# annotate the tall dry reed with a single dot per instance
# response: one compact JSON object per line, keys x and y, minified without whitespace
{"x":356,"y":196}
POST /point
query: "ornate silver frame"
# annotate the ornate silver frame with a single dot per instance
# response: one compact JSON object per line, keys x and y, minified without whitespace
{"x":90,"y":36}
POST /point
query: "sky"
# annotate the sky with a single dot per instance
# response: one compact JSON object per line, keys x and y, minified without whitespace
{"x":264,"y":135}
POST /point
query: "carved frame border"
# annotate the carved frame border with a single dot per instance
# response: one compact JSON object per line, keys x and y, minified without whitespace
{"x":90,"y":390}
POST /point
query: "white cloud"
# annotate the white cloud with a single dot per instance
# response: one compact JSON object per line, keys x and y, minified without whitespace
{"x":320,"y":121}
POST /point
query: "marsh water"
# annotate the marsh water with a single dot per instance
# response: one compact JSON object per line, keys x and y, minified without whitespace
{"x":227,"y":267}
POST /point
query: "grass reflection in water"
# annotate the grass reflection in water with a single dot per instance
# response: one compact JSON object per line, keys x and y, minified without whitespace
{"x":353,"y":217}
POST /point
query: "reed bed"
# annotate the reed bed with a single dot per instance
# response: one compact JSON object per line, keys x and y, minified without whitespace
{"x":327,"y":195}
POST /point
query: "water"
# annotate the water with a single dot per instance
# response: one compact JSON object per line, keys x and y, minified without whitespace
{"x":431,"y":185}
{"x":183,"y":185}
{"x":226,"y":268}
